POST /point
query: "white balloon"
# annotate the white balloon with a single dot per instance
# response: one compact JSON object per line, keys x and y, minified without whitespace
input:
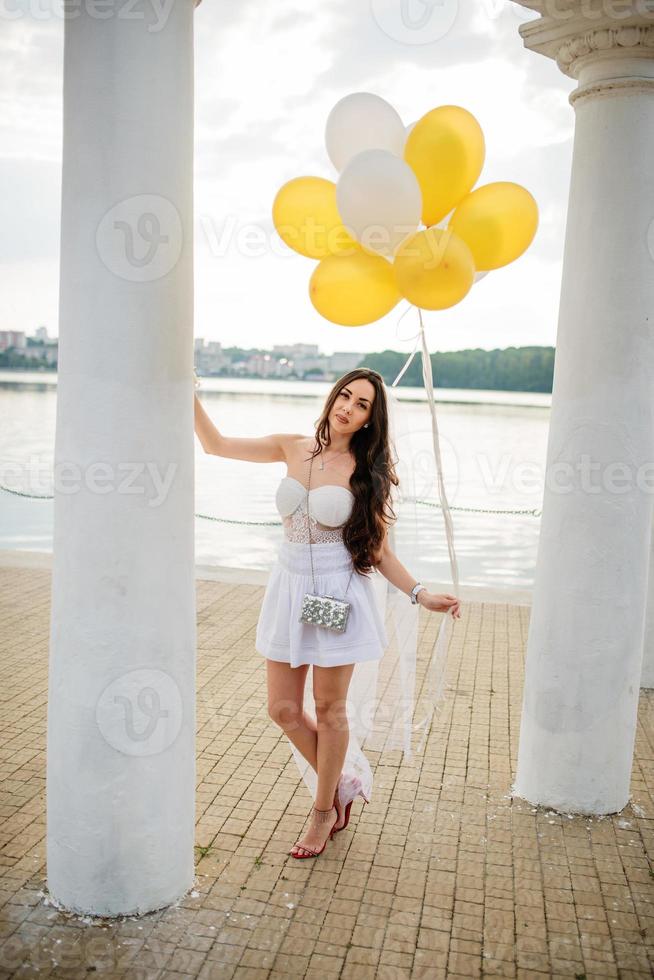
{"x":362,"y":121}
{"x":379,"y":200}
{"x":479,"y":275}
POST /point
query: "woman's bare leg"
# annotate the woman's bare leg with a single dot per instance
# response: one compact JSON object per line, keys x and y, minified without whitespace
{"x":286,"y":707}
{"x":330,"y":686}
{"x":289,"y":714}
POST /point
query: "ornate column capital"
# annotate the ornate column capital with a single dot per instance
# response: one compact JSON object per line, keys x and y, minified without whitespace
{"x":603,"y":43}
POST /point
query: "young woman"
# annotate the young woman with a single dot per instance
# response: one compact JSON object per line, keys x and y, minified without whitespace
{"x":342,"y":533}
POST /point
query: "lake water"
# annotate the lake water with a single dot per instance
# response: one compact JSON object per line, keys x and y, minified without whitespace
{"x":493,"y":447}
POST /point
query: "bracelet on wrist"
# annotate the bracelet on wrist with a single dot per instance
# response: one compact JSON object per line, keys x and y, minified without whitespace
{"x":415,"y":592}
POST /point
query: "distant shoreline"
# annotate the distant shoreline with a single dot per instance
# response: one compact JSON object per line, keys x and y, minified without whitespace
{"x":276,"y":387}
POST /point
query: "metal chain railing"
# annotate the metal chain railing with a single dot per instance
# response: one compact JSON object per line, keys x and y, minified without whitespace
{"x":535,"y":512}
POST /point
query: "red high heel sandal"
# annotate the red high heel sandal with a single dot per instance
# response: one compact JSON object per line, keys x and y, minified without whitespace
{"x":312,"y":853}
{"x":354,"y":784}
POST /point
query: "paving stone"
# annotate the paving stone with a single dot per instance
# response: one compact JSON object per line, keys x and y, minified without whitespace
{"x":443,"y":876}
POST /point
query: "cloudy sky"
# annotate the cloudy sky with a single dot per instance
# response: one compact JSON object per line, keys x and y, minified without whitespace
{"x":267,"y":75}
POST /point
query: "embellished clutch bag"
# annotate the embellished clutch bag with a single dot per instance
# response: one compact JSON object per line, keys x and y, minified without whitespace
{"x":323,"y":610}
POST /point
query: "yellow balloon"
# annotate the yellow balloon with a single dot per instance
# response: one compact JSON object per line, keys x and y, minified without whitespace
{"x":352,"y":290}
{"x":498,"y":221}
{"x":306,"y":217}
{"x":446,"y":151}
{"x":434,"y":269}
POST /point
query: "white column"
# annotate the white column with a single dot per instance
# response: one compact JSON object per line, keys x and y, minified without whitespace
{"x":647,"y":676}
{"x":585,"y":644}
{"x":121,"y":715}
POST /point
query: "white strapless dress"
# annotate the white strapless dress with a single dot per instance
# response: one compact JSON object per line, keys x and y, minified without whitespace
{"x":280,"y":635}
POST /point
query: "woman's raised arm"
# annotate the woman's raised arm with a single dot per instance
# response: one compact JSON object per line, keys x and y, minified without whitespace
{"x":266,"y":449}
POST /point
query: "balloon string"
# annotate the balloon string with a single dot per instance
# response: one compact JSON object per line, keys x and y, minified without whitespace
{"x":415,"y":347}
{"x":433,"y":690}
{"x":428,"y":380}
{"x":416,"y":334}
{"x":429,"y":385}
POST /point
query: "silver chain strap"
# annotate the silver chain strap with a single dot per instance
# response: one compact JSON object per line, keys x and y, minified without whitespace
{"x":309,"y":526}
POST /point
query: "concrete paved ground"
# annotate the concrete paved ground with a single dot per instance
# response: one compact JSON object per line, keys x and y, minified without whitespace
{"x":442,"y":875}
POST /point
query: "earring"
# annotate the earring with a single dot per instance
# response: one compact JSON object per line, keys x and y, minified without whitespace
{"x":366,"y":424}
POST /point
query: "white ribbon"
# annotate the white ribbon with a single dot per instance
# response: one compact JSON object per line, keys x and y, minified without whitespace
{"x":428,"y":380}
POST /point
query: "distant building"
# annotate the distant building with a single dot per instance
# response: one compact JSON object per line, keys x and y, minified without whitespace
{"x":284,"y":361}
{"x":285,"y":367}
{"x":342,"y":361}
{"x":39,"y":348}
{"x":210,"y":358}
{"x":46,"y":351}
{"x":262,"y":364}
{"x":314,"y":366}
{"x":297,"y":350}
{"x":12,"y":338}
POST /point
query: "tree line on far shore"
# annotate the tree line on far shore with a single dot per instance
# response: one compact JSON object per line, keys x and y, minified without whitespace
{"x":508,"y":369}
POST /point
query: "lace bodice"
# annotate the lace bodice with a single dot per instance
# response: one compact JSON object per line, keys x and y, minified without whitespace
{"x":330,"y":507}
{"x":296,"y":528}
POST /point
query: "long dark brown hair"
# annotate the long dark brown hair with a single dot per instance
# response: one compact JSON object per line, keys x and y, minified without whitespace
{"x":374,"y":472}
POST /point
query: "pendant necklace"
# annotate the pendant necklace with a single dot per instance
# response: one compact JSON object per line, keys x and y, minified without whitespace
{"x":322,"y":462}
